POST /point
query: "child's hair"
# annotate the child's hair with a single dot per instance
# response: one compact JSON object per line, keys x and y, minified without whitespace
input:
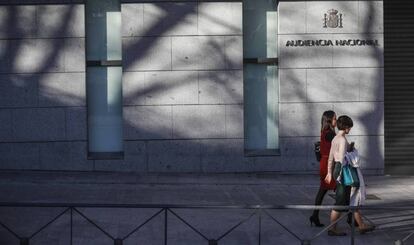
{"x":344,"y":122}
{"x":326,"y":120}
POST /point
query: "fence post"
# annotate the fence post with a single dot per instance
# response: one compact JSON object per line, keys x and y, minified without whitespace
{"x":260,"y":227}
{"x":306,"y":242}
{"x":352,"y":227}
{"x":71,"y":226}
{"x":165,"y":225}
{"x":24,"y":241}
{"x":118,"y":241}
{"x":212,"y":242}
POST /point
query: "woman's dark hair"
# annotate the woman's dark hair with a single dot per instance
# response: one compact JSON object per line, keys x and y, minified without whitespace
{"x":344,"y":122}
{"x":326,"y":120}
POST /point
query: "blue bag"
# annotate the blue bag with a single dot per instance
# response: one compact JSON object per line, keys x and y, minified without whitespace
{"x":350,"y":176}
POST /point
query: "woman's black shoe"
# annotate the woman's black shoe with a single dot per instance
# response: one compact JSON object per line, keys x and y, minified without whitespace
{"x":315,"y":220}
{"x":332,"y":232}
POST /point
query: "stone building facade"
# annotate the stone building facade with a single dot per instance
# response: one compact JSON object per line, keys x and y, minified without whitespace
{"x":183,"y":85}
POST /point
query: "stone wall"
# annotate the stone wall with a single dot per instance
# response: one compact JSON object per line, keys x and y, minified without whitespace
{"x":183,"y":87}
{"x":346,"y":79}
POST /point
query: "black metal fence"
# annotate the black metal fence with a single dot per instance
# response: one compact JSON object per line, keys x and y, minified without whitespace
{"x":259,"y":211}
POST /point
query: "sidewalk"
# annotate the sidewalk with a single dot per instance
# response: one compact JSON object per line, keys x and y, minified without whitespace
{"x":188,"y":189}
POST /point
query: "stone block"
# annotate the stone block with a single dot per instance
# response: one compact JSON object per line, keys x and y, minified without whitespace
{"x":315,"y":16}
{"x":220,"y":18}
{"x":199,"y":121}
{"x":147,"y":53}
{"x":371,"y":16}
{"x":134,"y":88}
{"x":233,"y":47}
{"x":55,"y":21}
{"x":19,"y":156}
{"x":17,"y":21}
{"x":292,"y":85}
{"x":76,"y":124}
{"x":62,"y":89}
{"x":134,"y":159}
{"x":64,"y":156}
{"x":39,"y":124}
{"x":37,"y":55}
{"x":185,"y":53}
{"x":234,"y":121}
{"x":368,"y":117}
{"x":305,"y":56}
{"x":221,"y":87}
{"x":171,"y":87}
{"x":279,"y":164}
{"x":371,"y":84}
{"x":132,"y":20}
{"x":147,"y":122}
{"x":359,"y":56}
{"x":165,"y":19}
{"x":312,"y":162}
{"x":18,"y":90}
{"x":174,"y":156}
{"x":293,"y":146}
{"x":319,"y":56}
{"x":292,"y":17}
{"x":332,"y":85}
{"x":212,"y":53}
{"x":6,"y":130}
{"x":75,"y":54}
{"x":223,"y":155}
{"x":371,"y":150}
{"x":293,"y":114}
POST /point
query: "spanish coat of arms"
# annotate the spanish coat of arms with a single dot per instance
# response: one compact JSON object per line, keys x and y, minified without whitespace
{"x":332,"y":19}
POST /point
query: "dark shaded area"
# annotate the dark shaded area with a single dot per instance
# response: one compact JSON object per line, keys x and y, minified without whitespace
{"x":399,"y":86}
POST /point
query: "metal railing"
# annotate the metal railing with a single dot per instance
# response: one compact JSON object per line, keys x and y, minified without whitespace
{"x":257,"y":210}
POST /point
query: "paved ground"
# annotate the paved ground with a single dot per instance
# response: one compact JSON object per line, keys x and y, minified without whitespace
{"x":185,"y":189}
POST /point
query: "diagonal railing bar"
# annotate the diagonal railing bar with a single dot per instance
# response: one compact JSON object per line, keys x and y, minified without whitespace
{"x":368,"y":219}
{"x":234,"y":227}
{"x":188,"y":224}
{"x":10,"y":230}
{"x":50,"y":222}
{"x":93,"y":223}
{"x":408,"y":237}
{"x":141,"y":225}
{"x":284,"y":227}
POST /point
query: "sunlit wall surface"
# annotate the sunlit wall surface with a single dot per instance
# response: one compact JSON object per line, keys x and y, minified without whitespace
{"x":206,"y":86}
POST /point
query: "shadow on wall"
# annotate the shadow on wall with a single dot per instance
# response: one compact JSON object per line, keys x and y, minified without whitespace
{"x":183,"y":92}
{"x":42,"y":100}
{"x":348,"y":80}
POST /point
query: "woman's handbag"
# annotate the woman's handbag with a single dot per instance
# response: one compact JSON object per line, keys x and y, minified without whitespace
{"x":350,"y":176}
{"x":317,"y":150}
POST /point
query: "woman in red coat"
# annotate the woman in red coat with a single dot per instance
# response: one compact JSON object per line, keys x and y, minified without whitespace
{"x":328,"y":123}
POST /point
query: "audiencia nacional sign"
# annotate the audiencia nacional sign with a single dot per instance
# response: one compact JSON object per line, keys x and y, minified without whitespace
{"x":332,"y":19}
{"x":328,"y":42}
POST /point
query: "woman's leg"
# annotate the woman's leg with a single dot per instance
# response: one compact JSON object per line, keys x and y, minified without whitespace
{"x":362,"y":227}
{"x":318,"y":201}
{"x":335,"y":215}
